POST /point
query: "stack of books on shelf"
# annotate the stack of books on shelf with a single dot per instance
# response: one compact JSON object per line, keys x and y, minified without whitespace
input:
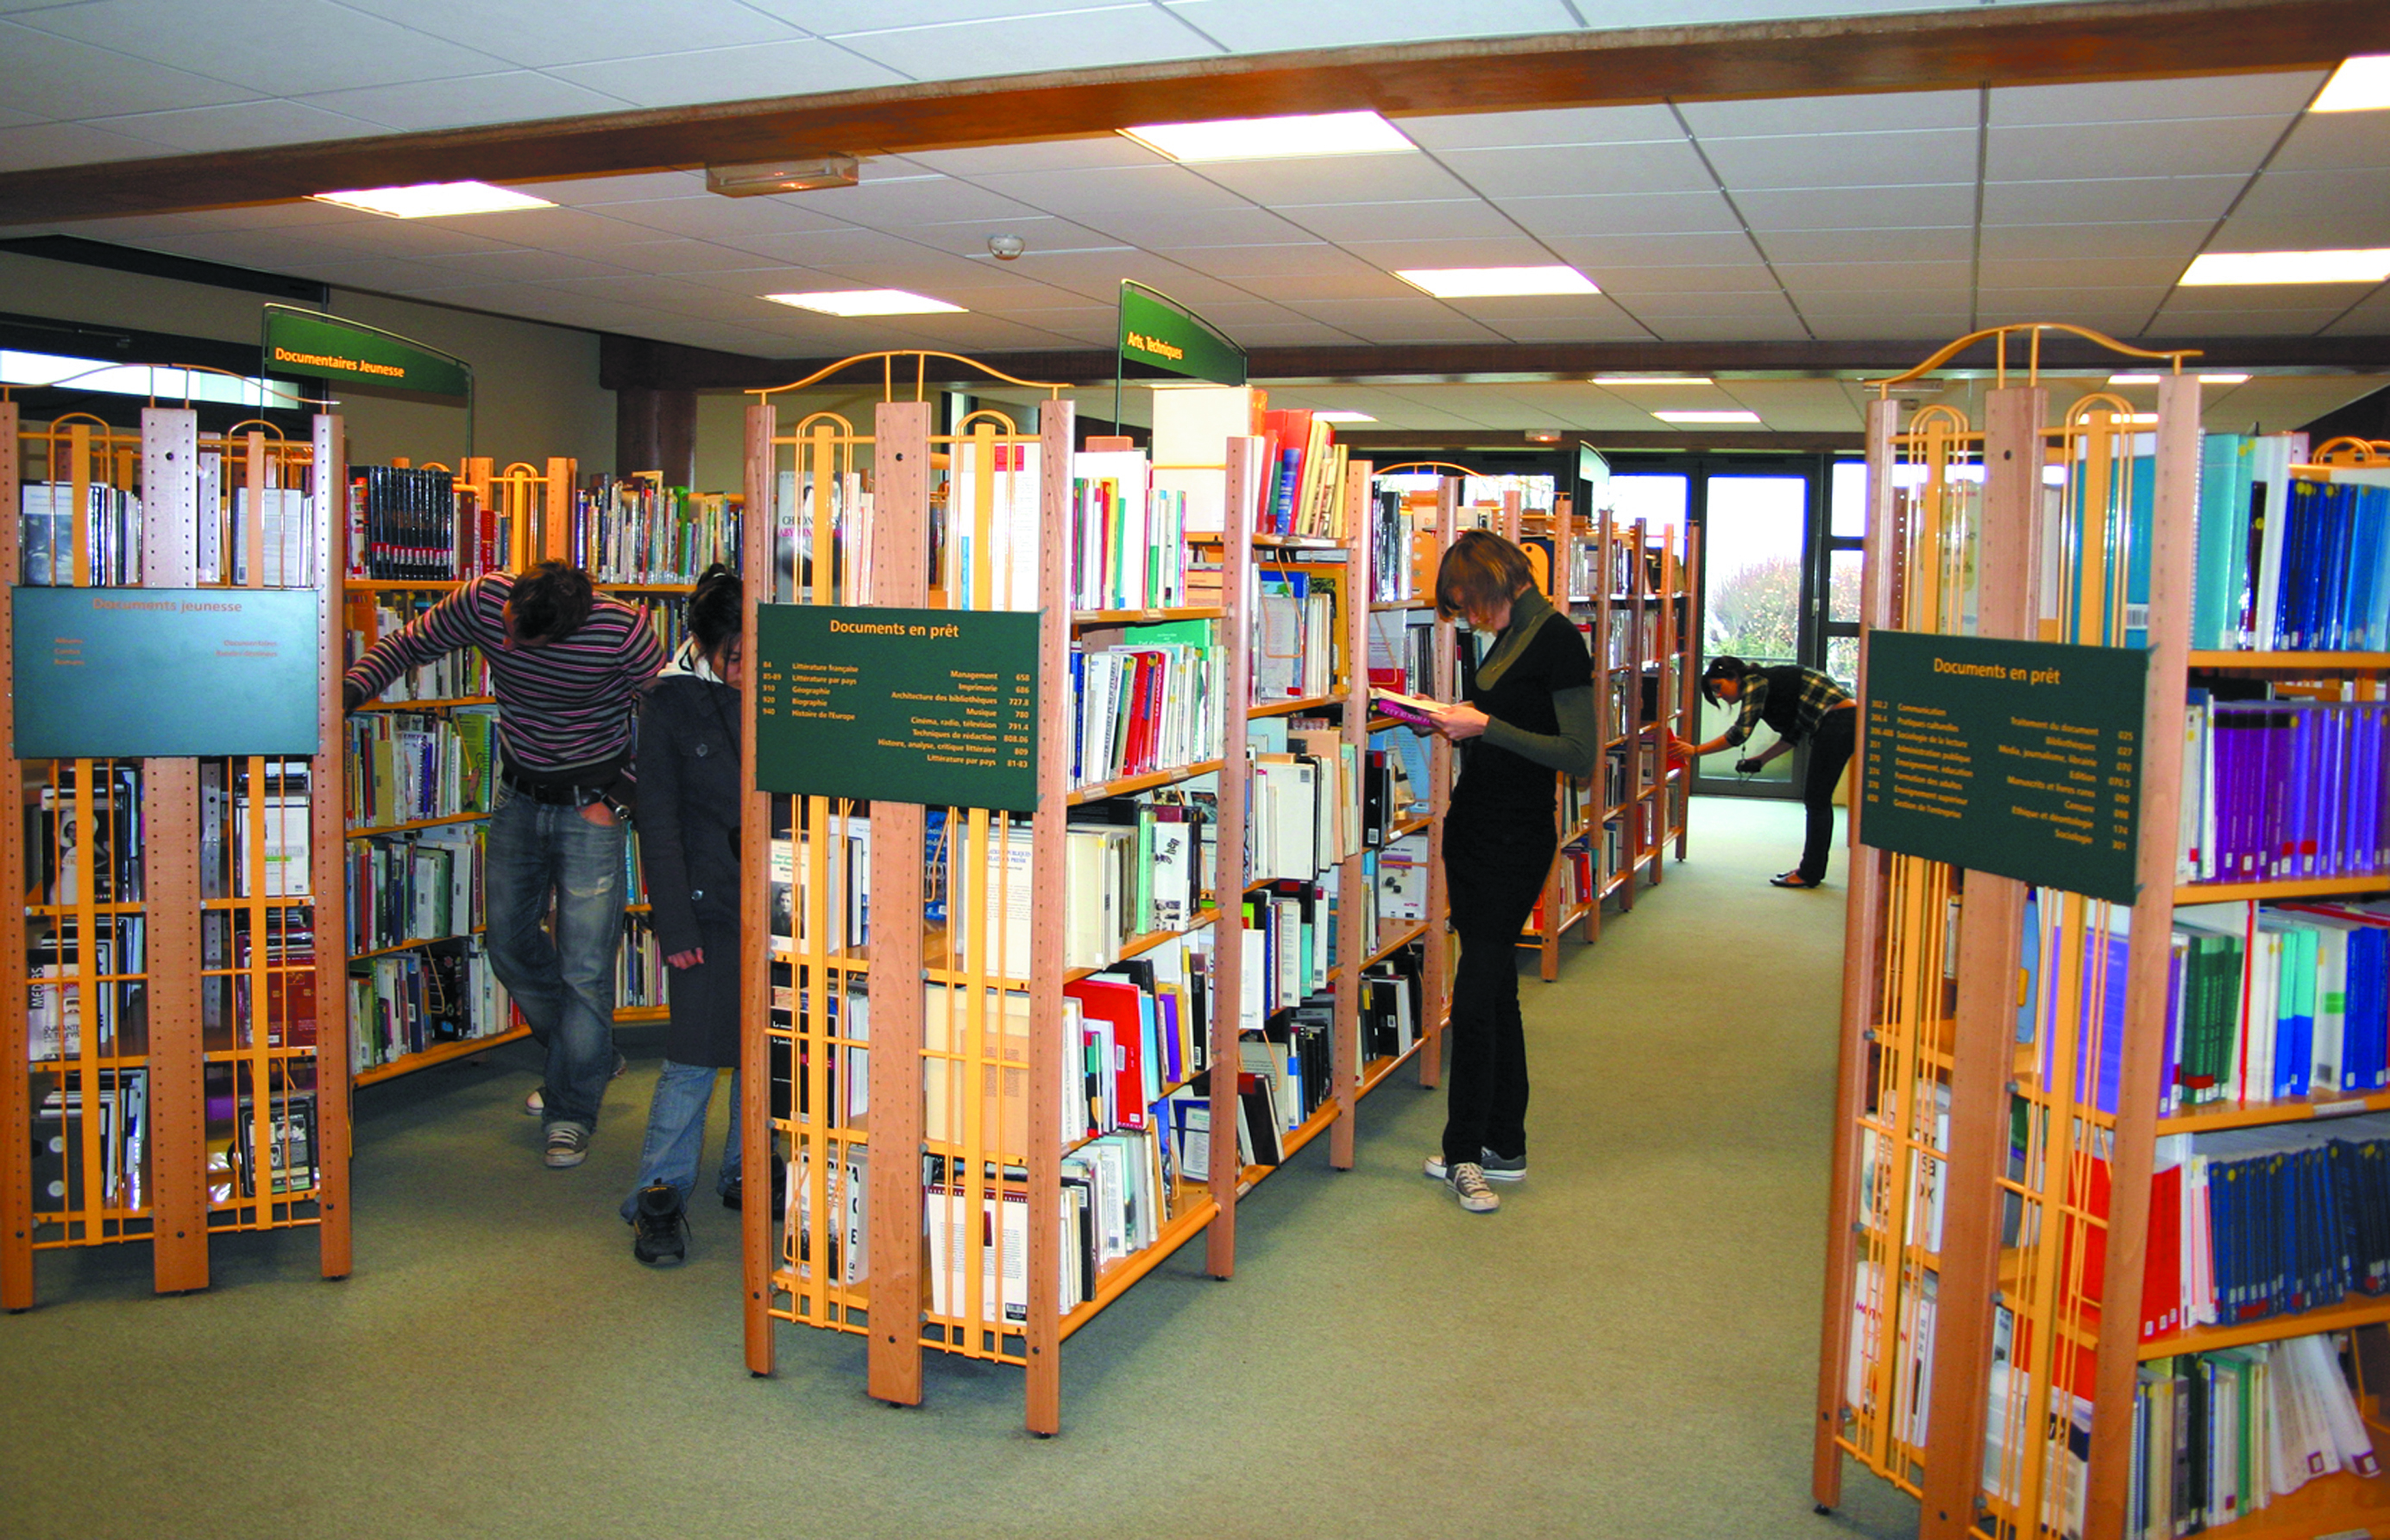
{"x":60,"y":1183}
{"x":1294,"y":639}
{"x":635,"y":532}
{"x":797,"y":507}
{"x":1150,"y":702}
{"x":287,"y":517}
{"x":413,"y":524}
{"x":2278,"y":1002}
{"x":1128,"y":546}
{"x":1135,"y":1030}
{"x":1302,"y":489}
{"x":2284,"y":790}
{"x":419,"y":886}
{"x":1132,"y":866}
{"x":409,"y":766}
{"x":403,"y":1003}
{"x":111,"y":522}
{"x":462,"y":674}
{"x":2289,"y":560}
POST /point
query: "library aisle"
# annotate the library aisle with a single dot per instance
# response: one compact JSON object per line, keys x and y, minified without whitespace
{"x":1628,"y":1349}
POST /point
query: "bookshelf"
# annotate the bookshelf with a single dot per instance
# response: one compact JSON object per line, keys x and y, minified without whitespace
{"x":182,"y":1062}
{"x":1997,"y":1206}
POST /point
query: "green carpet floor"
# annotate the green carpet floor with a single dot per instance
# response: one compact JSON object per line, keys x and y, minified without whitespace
{"x":1628,"y":1349}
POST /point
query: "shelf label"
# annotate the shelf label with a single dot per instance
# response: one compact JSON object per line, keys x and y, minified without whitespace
{"x":930,"y":705}
{"x":2023,"y":759}
{"x":170,"y":672}
{"x":1158,"y":331}
{"x":327,"y":347}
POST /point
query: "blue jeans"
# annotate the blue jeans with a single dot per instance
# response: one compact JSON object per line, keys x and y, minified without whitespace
{"x":676,"y":1134}
{"x":543,"y":853}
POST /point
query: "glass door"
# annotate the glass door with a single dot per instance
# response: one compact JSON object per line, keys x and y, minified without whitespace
{"x":1756,"y":582}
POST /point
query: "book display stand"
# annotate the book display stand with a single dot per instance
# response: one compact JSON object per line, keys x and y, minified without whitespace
{"x":181,"y":1068}
{"x":2033,"y":1293}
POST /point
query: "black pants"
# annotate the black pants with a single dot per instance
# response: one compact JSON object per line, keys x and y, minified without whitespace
{"x":1830,"y":751}
{"x":1494,"y":867}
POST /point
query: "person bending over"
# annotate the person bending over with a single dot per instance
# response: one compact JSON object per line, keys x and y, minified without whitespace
{"x":689,"y":849}
{"x":1530,"y":711}
{"x":1799,"y":704}
{"x":566,"y":667}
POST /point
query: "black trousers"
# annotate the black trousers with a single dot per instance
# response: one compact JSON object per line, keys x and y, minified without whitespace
{"x":1494,"y":867}
{"x":1830,"y":751}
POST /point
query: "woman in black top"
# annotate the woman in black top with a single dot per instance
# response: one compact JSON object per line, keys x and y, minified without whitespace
{"x":1799,"y":704}
{"x":1529,"y":712}
{"x":688,"y":851}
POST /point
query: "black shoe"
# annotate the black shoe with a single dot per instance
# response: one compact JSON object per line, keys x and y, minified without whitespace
{"x":734,"y":1198}
{"x":660,"y":1231}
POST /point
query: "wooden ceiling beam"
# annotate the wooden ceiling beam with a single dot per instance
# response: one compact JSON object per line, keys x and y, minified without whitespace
{"x":2008,"y":45}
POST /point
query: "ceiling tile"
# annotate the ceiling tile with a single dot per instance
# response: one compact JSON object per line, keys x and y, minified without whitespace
{"x":519,"y":266}
{"x":1924,"y":326}
{"x":2369,"y":317}
{"x":1786,"y":328}
{"x":65,"y":144}
{"x":1258,"y":26}
{"x":1081,"y":154}
{"x":1623,"y":215}
{"x":799,"y":68}
{"x":1366,"y":284}
{"x":1730,"y":278}
{"x":2332,"y":297}
{"x":1334,"y":179}
{"x":395,"y":274}
{"x":1097,"y":276}
{"x":1655,"y":307}
{"x":895,"y":205}
{"x":1556,"y":171}
{"x":1939,"y":243}
{"x":1887,"y":112}
{"x":2241,"y":323}
{"x":2122,"y":199}
{"x":526,"y":31}
{"x":1153,"y":228}
{"x":56,"y":77}
{"x":463,"y":100}
{"x":2155,"y":100}
{"x":1617,"y":327}
{"x":1569,"y":126}
{"x":2080,"y":272}
{"x":2178,"y":239}
{"x":283,"y":46}
{"x":1514,"y":250}
{"x":1845,"y":159}
{"x":641,"y":188}
{"x":238,"y":125}
{"x":1595,"y":255}
{"x":2335,"y":141}
{"x":1903,"y":208}
{"x":1460,"y":218}
{"x":1311,"y":259}
{"x":712,"y":217}
{"x":822,"y":248}
{"x":1076,"y":40}
{"x":2205,"y":147}
{"x":1835,"y":302}
{"x":2303,"y":211}
{"x":1087,"y":195}
{"x":1871,"y":278}
{"x":2066,"y":301}
{"x":547,"y":229}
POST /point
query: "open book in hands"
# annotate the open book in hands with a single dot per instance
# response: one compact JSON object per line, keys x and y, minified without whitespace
{"x":1412,"y":710}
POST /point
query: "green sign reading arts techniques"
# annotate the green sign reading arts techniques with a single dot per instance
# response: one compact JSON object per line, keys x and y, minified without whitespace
{"x":932,"y":706}
{"x":324,"y":347}
{"x":2023,"y":759}
{"x":1157,"y":331}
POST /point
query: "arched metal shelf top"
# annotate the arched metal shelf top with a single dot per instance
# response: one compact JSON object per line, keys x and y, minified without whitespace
{"x":1424,"y":465}
{"x":2033,"y":362}
{"x":920,"y":374}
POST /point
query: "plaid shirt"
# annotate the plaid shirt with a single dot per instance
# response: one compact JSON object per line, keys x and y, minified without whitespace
{"x":1819,"y":694}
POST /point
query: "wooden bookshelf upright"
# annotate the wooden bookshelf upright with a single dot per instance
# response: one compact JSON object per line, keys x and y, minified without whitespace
{"x":181,"y":1084}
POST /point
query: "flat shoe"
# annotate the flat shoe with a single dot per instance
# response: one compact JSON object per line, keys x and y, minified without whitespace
{"x":1791,"y":879}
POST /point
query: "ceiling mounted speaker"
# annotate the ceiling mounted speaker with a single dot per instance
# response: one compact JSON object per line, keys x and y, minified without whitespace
{"x":782,"y":176}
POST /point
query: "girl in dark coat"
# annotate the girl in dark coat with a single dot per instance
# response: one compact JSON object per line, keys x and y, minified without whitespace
{"x":688,"y":852}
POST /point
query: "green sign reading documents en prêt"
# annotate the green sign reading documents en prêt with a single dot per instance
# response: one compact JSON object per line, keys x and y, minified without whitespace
{"x":2023,"y":759}
{"x":176,"y":673}
{"x":930,"y":705}
{"x":308,"y":342}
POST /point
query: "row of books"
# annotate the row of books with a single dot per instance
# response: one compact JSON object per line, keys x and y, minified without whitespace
{"x":60,"y":986}
{"x":1393,"y":1002}
{"x":1131,"y":866}
{"x":462,"y":674}
{"x":634,"y":531}
{"x":1137,"y":1031}
{"x":421,"y":886}
{"x":1128,"y":546}
{"x":2276,"y":1003}
{"x":1402,"y":651}
{"x":2218,"y":1436}
{"x":984,"y":529}
{"x":1151,"y":701}
{"x":1292,"y":1058}
{"x":639,"y":971}
{"x":2284,"y":790}
{"x":2249,"y":1224}
{"x":408,"y":766}
{"x":285,"y":557}
{"x":232,"y":1164}
{"x":413,"y":523}
{"x":1303,"y":480}
{"x":1118,"y":1190}
{"x":844,"y":527}
{"x":109,"y":524}
{"x":1399,"y":568}
{"x":841,"y":909}
{"x":78,"y":847}
{"x":62,"y":1182}
{"x":841,"y":1039}
{"x":1289,"y":949}
{"x":2288,"y":561}
{"x":401,"y":1002}
{"x":846,"y":1191}
{"x":1294,"y":640}
{"x":254,"y":829}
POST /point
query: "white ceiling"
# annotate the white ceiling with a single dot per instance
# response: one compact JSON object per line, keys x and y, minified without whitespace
{"x":1905,"y":217}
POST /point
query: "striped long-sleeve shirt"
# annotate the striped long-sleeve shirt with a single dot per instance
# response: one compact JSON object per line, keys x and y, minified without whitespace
{"x":562,"y":705}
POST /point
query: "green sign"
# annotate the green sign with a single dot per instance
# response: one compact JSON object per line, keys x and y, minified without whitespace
{"x":309,"y":342}
{"x":930,"y":705}
{"x":176,"y":673}
{"x":2023,"y":759}
{"x":1158,"y":331}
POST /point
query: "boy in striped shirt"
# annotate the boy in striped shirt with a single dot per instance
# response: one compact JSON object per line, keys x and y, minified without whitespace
{"x":565,"y":666}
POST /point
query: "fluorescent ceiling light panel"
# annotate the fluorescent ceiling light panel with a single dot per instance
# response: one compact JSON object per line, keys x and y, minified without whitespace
{"x":2359,"y":84}
{"x":866,"y":301}
{"x":2253,"y":267}
{"x":1481,"y":283}
{"x":1272,"y":139}
{"x":432,"y":200}
{"x":2151,"y":379}
{"x":1341,"y":417}
{"x":1652,"y":379}
{"x":1707,"y":416}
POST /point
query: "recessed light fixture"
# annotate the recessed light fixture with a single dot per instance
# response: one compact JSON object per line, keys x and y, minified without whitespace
{"x":2253,"y":267}
{"x":2151,"y":378}
{"x":2359,"y":84}
{"x":1341,"y":417}
{"x":431,"y":199}
{"x":1652,"y":379}
{"x":1479,"y":283}
{"x":1272,"y":139}
{"x":1707,"y":416}
{"x":866,"y":301}
{"x":1542,"y":435}
{"x":758,"y":178}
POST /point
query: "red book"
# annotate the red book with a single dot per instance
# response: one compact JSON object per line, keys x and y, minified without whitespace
{"x":1115,"y":1001}
{"x":2162,"y":1272}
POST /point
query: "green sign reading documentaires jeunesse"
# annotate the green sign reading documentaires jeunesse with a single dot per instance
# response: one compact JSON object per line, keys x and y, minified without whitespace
{"x":172,"y":673}
{"x":307,"y":342}
{"x":930,"y":705}
{"x":2023,"y":759}
{"x":1154,"y":331}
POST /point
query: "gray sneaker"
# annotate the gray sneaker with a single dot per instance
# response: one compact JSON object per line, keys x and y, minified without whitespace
{"x":1469,"y":1186}
{"x":1498,"y":1168}
{"x":568,"y":1145}
{"x":535,"y":1104}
